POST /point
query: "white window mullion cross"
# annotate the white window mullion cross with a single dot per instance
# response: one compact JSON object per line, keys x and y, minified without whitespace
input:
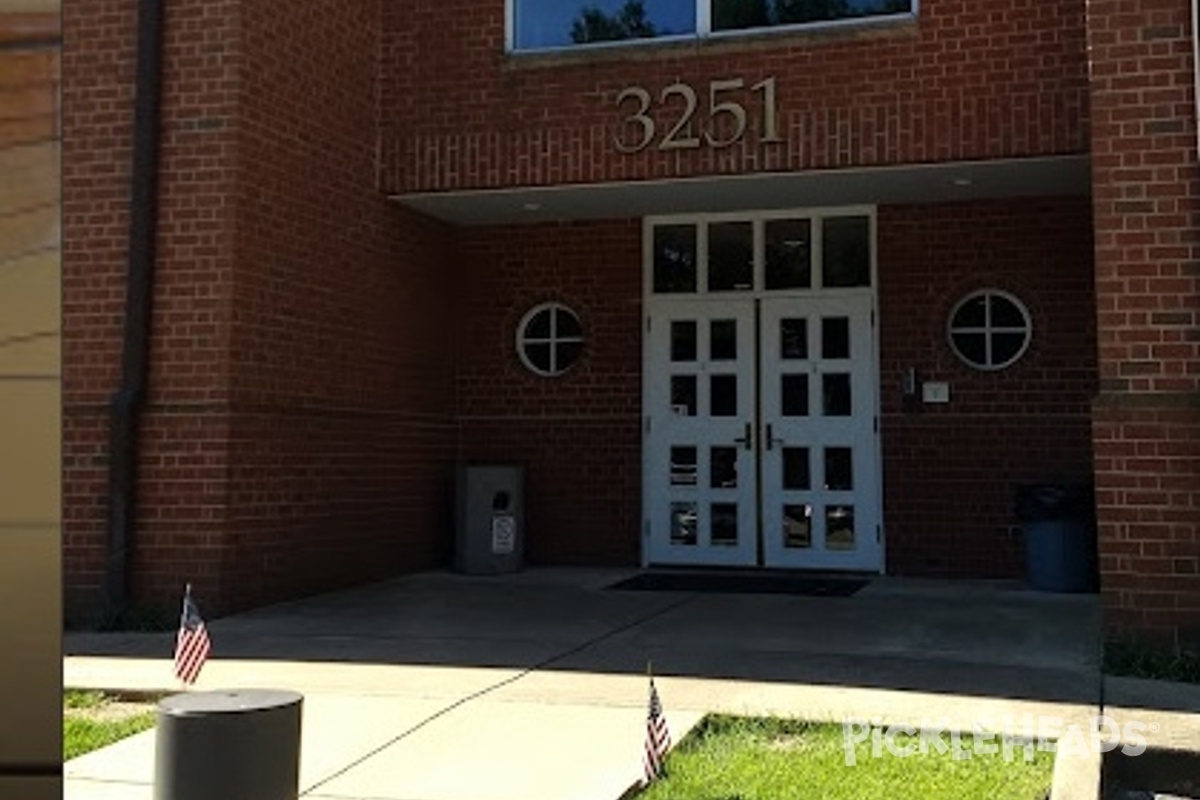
{"x":553,"y":341}
{"x":703,"y":17}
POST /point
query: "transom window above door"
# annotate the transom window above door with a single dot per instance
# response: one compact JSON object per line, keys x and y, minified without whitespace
{"x":558,"y":24}
{"x":799,"y":252}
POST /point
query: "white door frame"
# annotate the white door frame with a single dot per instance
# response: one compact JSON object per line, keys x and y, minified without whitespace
{"x":653,"y":303}
{"x":703,"y":433}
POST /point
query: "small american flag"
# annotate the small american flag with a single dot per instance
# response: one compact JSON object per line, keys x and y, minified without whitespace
{"x":191,"y":645}
{"x":658,"y":738}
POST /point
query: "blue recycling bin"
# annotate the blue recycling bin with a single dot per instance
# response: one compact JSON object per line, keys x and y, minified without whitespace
{"x":1059,"y":526}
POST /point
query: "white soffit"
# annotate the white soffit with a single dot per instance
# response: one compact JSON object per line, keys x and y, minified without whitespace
{"x":920,"y":183}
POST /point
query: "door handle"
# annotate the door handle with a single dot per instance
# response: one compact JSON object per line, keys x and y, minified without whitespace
{"x":746,"y":441}
{"x":770,"y":439}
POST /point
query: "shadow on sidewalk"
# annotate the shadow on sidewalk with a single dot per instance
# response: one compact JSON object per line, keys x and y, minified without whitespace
{"x":942,"y":637}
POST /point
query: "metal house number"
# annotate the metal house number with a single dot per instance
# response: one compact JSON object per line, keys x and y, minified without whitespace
{"x":727,"y":117}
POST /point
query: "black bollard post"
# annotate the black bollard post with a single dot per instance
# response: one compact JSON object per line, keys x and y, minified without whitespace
{"x":228,"y":745}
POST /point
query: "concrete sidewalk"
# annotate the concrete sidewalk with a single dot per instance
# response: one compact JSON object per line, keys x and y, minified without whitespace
{"x":445,"y":687}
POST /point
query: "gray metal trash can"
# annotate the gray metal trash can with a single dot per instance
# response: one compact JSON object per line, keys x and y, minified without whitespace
{"x":489,"y":519}
{"x":229,"y":745}
{"x":1058,"y":521}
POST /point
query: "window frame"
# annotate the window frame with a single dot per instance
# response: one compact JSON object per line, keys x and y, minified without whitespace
{"x":703,"y":30}
{"x":553,"y":340}
{"x":760,"y":218}
{"x":988,"y":330}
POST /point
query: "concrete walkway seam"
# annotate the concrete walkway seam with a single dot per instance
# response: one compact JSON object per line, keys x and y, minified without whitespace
{"x":499,"y":685}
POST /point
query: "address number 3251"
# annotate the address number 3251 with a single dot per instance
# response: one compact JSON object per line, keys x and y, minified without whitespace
{"x":725,"y":122}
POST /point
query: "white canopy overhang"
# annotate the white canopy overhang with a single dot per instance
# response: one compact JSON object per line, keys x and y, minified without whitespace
{"x":917,"y":183}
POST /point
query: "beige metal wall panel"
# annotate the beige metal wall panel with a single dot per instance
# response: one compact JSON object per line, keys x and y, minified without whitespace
{"x":31,"y":172}
{"x":29,"y":6}
{"x":30,"y":298}
{"x":30,"y":464}
{"x":30,"y":416}
{"x":28,"y":232}
{"x":31,"y":667}
{"x":34,"y":356}
{"x":32,"y":788}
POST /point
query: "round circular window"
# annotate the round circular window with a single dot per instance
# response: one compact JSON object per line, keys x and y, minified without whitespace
{"x":549,"y":339}
{"x":989,"y":329}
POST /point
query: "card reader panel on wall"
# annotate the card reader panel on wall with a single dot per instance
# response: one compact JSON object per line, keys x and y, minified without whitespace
{"x":935,"y":392}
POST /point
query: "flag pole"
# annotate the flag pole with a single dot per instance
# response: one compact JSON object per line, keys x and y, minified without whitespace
{"x":187,"y":594}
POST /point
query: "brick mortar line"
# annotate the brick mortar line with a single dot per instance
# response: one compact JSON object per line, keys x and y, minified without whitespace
{"x":1149,"y":401}
{"x":262,"y":409}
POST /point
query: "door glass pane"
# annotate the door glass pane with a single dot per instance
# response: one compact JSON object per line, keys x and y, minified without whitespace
{"x":835,"y":337}
{"x":674,"y":259}
{"x":793,"y":338}
{"x":839,"y":528}
{"x":683,"y":340}
{"x":797,"y":476}
{"x":730,"y":256}
{"x":836,"y":394}
{"x":723,"y":468}
{"x":683,"y":523}
{"x":793,"y":400}
{"x":789,"y":254}
{"x":683,"y":466}
{"x":839,"y":469}
{"x":846,"y":251}
{"x":724,"y":396}
{"x":797,"y":526}
{"x":683,"y":395}
{"x":723,"y":343}
{"x":724,"y":524}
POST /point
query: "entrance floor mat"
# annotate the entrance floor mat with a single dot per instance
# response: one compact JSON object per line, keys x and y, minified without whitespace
{"x":742,"y":583}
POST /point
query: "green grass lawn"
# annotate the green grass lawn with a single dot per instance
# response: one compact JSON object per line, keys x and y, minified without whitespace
{"x":92,"y":720}
{"x":739,"y":758}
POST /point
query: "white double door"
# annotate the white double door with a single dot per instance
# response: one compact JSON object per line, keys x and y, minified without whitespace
{"x":761,"y":444}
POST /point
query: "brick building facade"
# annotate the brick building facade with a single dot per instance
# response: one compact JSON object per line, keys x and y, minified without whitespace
{"x":360,"y":205}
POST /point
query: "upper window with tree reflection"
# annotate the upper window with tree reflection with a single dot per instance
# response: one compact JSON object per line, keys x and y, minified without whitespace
{"x":544,"y":24}
{"x":551,"y":24}
{"x":728,"y":15}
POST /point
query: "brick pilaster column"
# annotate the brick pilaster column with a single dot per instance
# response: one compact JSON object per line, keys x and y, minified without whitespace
{"x":1146,"y":419}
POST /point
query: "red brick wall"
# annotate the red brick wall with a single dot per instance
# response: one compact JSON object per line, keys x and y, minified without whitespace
{"x":343,"y":332}
{"x":950,"y":470}
{"x":965,"y":81}
{"x":1146,"y":190}
{"x":300,"y":425}
{"x":577,"y":435}
{"x":949,"y":476}
{"x":184,"y":455}
{"x":97,"y":91}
